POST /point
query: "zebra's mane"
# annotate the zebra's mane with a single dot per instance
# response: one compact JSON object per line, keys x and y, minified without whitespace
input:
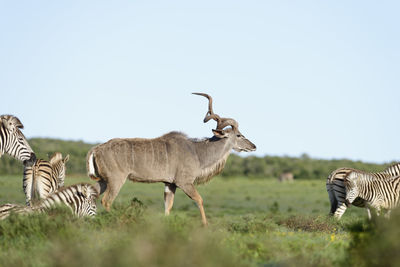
{"x":12,"y":119}
{"x":88,"y":190}
{"x":385,"y":172}
{"x":394,"y":165}
{"x":369,"y":177}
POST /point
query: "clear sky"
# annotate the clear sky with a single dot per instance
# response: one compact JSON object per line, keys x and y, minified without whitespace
{"x":315,"y":77}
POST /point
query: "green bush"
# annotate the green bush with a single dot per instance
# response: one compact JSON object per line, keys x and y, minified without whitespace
{"x":376,"y":242}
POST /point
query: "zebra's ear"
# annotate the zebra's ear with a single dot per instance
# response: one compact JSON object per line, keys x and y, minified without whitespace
{"x":8,"y":124}
{"x":66,"y":159}
{"x":84,"y":191}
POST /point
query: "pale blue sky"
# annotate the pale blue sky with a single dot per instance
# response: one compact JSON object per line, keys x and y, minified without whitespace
{"x":316,"y":77}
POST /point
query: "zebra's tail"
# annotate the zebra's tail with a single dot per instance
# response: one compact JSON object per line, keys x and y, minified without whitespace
{"x":91,"y":166}
{"x":29,"y":183}
{"x":35,"y":183}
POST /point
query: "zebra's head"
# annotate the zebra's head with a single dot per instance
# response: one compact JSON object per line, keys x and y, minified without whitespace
{"x":58,"y":164}
{"x":89,"y":196}
{"x":350,"y":183}
{"x":13,"y":141}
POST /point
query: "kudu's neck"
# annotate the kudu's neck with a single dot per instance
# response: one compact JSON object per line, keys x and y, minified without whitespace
{"x":213,"y":151}
{"x":212,"y":154}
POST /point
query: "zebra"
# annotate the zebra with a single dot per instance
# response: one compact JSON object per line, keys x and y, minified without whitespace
{"x":337,"y":192}
{"x":13,"y":141}
{"x":377,"y":193}
{"x":44,"y":177}
{"x":80,"y":198}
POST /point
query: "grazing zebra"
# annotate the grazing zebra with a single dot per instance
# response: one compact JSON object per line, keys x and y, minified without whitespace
{"x":13,"y":141}
{"x":376,"y":192}
{"x":80,"y":198}
{"x":44,"y":177}
{"x":337,"y":192}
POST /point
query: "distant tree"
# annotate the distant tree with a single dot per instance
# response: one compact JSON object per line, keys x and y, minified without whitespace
{"x":303,"y":167}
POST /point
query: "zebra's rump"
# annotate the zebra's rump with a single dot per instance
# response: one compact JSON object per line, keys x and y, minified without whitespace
{"x":44,"y":177}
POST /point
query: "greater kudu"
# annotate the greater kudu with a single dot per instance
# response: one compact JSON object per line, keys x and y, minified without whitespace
{"x":174,"y":159}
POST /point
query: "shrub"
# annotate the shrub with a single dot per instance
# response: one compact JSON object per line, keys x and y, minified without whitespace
{"x":375,"y":243}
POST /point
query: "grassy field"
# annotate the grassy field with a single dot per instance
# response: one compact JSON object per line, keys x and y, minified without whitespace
{"x":252,"y":223}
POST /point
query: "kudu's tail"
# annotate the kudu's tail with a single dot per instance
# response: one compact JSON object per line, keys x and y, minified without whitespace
{"x":91,"y":166}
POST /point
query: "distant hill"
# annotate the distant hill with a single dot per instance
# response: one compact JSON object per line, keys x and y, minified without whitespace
{"x":302,"y":167}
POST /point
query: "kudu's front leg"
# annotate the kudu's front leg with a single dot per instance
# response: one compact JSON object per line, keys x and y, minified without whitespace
{"x":191,"y":192}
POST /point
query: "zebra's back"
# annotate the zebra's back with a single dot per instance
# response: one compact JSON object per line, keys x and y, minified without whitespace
{"x":80,"y":198}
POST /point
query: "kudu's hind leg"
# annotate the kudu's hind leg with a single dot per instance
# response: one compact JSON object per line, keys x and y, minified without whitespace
{"x":169,"y":194}
{"x":100,"y":186}
{"x":191,"y":192}
{"x":111,"y":193}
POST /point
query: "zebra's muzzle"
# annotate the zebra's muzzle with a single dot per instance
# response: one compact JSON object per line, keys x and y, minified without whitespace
{"x":31,"y":161}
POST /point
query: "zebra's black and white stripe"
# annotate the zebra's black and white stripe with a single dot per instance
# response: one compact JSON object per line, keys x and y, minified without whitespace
{"x":80,"y":198}
{"x":337,"y":191}
{"x":13,"y":142}
{"x":44,"y":177}
{"x":376,"y":192}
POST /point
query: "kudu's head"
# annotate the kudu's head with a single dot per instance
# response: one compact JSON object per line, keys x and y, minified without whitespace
{"x":239,"y":142}
{"x":13,"y":140}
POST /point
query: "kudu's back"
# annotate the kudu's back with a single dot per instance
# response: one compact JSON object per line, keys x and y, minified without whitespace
{"x":144,"y":160}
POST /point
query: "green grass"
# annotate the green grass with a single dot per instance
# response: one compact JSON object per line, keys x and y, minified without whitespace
{"x":252,"y":223}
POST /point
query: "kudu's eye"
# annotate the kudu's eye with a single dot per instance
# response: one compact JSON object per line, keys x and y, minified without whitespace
{"x":238,"y":135}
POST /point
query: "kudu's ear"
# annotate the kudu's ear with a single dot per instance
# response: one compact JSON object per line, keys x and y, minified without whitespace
{"x":220,"y":133}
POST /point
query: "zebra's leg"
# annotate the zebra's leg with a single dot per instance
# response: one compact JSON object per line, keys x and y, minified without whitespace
{"x":378,"y":211}
{"x":169,"y":194}
{"x":340,"y":210}
{"x":387,"y":214}
{"x":368,"y":212}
